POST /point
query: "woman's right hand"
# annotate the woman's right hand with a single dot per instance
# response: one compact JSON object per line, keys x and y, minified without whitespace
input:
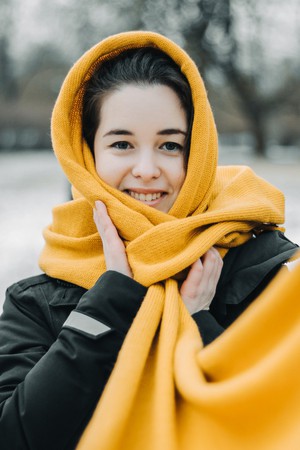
{"x":113,"y":247}
{"x":199,"y":288}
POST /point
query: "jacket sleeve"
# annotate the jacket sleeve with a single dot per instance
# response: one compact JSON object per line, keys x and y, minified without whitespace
{"x":49,"y":386}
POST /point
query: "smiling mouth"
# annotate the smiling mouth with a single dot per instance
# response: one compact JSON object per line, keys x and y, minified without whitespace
{"x":146,"y":197}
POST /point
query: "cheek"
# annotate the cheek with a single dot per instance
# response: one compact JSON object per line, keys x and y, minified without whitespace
{"x":179,"y":176}
{"x":110,"y":170}
{"x":180,"y":182}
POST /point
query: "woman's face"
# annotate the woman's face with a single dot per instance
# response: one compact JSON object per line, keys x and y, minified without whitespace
{"x":139,"y":144}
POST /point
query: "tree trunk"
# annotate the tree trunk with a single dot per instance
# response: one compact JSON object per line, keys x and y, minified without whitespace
{"x":259,"y":132}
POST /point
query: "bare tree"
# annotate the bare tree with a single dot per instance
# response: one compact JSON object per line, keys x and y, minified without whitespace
{"x":8,"y":82}
{"x":213,"y":42}
{"x":210,"y":30}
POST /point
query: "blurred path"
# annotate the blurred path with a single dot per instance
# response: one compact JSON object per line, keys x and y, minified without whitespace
{"x":32,"y":183}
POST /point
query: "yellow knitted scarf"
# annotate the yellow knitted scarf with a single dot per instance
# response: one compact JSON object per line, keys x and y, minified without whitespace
{"x":165,"y":392}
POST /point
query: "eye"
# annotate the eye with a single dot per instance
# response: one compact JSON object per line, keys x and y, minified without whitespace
{"x":172,"y":147}
{"x":121,"y":145}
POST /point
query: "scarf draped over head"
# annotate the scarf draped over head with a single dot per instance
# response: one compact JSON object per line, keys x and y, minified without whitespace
{"x":165,"y":392}
{"x":218,"y":207}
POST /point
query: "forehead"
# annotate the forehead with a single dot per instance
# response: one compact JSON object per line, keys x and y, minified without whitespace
{"x":136,"y":104}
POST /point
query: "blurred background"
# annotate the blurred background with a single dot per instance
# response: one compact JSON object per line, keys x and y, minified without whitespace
{"x":248,"y":52}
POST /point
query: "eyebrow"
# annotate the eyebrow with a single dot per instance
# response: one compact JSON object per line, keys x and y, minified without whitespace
{"x":166,"y":132}
{"x":172,"y":131}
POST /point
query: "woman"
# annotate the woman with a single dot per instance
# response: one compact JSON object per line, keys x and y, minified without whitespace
{"x":136,"y":254}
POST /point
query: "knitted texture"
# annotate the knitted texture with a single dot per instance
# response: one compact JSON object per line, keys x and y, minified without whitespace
{"x":165,"y":392}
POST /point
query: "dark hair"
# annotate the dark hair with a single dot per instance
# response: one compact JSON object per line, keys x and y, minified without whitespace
{"x":143,"y":66}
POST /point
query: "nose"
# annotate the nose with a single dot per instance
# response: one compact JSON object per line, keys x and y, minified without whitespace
{"x":146,"y":166}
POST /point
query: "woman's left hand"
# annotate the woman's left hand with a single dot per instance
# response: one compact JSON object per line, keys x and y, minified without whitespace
{"x":198,"y":289}
{"x":113,"y":247}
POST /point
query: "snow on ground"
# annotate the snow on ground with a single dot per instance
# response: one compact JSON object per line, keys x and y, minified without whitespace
{"x":31,"y":183}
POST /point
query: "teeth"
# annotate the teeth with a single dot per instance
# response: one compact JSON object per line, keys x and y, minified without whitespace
{"x":145,"y":197}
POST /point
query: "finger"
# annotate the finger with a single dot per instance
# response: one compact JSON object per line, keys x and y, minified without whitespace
{"x":102,"y":219}
{"x":105,"y":226}
{"x":212,"y":267}
{"x":109,"y":235}
{"x":218,"y":264}
{"x":113,"y":247}
{"x":194,"y":290}
{"x":212,"y":261}
{"x":199,"y":275}
{"x":191,"y":284}
{"x":198,"y":290}
{"x":204,"y":273}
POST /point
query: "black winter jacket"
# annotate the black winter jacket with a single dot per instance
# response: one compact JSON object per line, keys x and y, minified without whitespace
{"x":51,"y":376}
